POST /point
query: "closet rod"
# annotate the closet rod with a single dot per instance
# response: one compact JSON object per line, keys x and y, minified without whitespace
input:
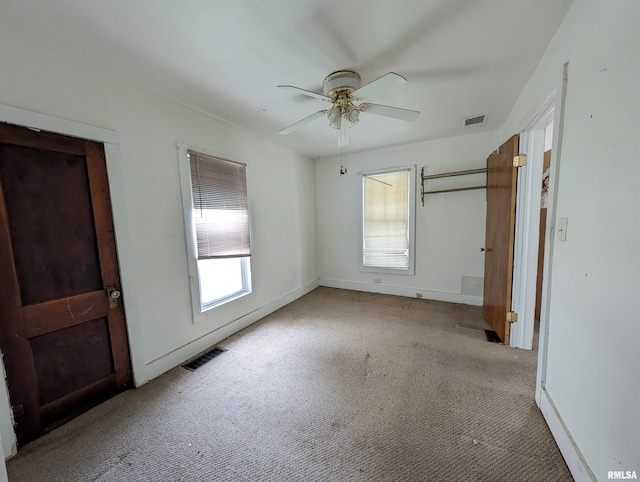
{"x":454,"y":189}
{"x":451,"y":174}
{"x":423,"y":193}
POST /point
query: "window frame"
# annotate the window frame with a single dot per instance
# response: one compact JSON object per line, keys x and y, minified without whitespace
{"x":410,"y":270}
{"x":190,"y":236}
{"x":245,"y":274}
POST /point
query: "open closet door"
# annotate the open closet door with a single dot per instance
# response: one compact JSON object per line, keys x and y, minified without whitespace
{"x":500,"y":233}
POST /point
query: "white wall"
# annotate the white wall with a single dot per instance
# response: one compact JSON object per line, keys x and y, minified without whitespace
{"x":147,"y":203}
{"x":593,"y":351}
{"x":594,"y":327}
{"x":449,"y":228}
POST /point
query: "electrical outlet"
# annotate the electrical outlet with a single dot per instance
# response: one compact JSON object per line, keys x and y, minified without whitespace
{"x":377,"y":280}
{"x":418,"y":295}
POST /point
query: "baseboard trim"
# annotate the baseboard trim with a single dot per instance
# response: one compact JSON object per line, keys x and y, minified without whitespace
{"x":402,"y":291}
{"x":572,"y":456}
{"x":180,"y":355}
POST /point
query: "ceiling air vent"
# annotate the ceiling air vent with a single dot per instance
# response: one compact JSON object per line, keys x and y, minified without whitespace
{"x":476,"y":119}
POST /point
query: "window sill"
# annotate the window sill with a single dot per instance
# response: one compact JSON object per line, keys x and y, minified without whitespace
{"x":218,"y":308}
{"x":398,"y":271}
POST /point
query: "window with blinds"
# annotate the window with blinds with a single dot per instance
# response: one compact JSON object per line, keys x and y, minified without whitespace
{"x":221,"y":217}
{"x":387,"y":220}
{"x":217,"y":227}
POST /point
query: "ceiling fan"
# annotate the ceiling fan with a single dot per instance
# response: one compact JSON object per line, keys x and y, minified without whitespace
{"x":342,"y":89}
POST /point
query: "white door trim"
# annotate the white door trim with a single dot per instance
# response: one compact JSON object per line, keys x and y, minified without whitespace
{"x":556,"y":154}
{"x":525,"y":258}
{"x":35,"y":120}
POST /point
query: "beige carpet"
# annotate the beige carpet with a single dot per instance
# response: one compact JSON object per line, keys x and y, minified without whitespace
{"x":338,"y":385}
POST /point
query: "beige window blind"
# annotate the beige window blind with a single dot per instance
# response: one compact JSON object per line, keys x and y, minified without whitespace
{"x":220,"y":213}
{"x":386,"y":220}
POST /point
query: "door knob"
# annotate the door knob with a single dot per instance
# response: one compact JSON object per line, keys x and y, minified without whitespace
{"x":485,"y":249}
{"x":113,"y":294}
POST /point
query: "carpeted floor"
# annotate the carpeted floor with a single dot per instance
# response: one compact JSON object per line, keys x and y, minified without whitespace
{"x":339,"y":385}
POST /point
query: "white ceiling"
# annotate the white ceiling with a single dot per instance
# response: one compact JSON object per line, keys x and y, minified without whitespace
{"x":226,"y":57}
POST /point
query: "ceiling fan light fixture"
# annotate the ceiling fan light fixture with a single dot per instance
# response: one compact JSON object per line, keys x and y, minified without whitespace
{"x":333,"y":115}
{"x":352,"y":115}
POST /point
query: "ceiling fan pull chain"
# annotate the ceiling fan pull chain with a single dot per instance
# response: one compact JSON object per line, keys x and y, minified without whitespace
{"x":343,"y":140}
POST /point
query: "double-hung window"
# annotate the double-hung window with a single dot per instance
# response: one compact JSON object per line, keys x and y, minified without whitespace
{"x":217,"y":220}
{"x":387,"y":228}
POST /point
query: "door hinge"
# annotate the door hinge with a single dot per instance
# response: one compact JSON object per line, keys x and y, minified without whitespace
{"x":512,"y":316}
{"x":520,"y":160}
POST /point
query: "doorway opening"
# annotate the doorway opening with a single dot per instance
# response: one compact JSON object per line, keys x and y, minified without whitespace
{"x":533,"y":225}
{"x":544,"y":203}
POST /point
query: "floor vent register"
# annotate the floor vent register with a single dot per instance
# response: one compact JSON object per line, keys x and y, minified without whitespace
{"x":193,"y":365}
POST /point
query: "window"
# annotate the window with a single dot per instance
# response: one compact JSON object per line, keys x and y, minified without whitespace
{"x":388,"y":221}
{"x":217,"y":222}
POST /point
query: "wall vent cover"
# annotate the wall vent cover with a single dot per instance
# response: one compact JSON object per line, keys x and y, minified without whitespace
{"x":476,"y":119}
{"x":193,"y":365}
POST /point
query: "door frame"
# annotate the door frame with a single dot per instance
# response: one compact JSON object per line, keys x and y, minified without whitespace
{"x":525,"y":272}
{"x":124,"y":246}
{"x":528,"y":225}
{"x":527,"y":233}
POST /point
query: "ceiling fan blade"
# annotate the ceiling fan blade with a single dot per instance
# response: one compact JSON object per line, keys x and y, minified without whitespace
{"x":305,"y":92}
{"x":387,"y":111}
{"x":383,"y":83}
{"x":303,"y":122}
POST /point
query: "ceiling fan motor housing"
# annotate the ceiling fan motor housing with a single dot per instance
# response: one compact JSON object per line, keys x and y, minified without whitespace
{"x":342,"y":80}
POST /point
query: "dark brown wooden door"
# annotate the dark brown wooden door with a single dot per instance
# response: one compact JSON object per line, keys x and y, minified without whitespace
{"x":65,"y":348}
{"x":501,"y":215}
